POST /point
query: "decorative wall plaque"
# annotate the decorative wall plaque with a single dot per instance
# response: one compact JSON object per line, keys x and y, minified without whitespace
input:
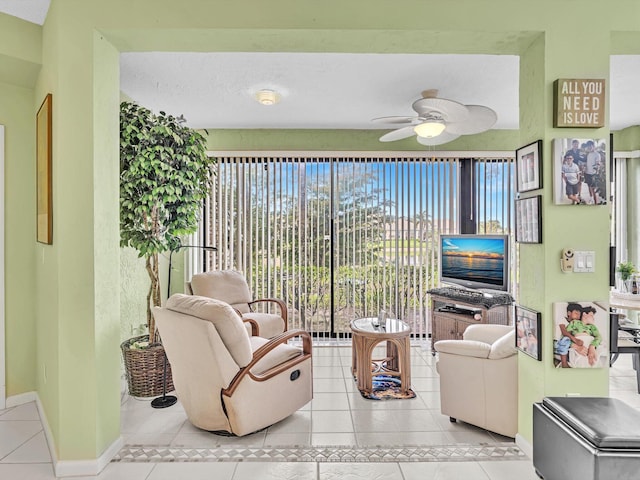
{"x":578,"y":103}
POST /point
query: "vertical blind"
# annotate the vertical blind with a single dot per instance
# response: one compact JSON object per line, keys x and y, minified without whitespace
{"x":340,"y":238}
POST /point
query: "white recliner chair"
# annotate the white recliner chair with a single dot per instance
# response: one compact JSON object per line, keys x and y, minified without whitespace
{"x":479,"y":378}
{"x":226,"y":380}
{"x":231,"y":287}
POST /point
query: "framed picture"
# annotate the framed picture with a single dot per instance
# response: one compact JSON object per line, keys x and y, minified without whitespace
{"x":529,"y":167}
{"x":528,"y":325}
{"x":529,"y":220}
{"x":44,"y":209}
{"x":581,"y":335}
{"x":580,"y":171}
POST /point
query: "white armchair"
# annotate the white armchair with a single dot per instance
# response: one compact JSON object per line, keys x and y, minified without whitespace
{"x":479,"y":378}
{"x":231,"y":287}
{"x":225,"y":379}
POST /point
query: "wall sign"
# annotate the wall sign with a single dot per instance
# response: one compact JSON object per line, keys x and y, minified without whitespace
{"x":578,"y":103}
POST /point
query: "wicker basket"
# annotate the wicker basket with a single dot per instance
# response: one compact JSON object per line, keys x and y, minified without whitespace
{"x":145,"y":369}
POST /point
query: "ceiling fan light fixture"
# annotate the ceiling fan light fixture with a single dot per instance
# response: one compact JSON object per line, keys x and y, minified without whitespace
{"x":430,"y":128}
{"x":267,"y":97}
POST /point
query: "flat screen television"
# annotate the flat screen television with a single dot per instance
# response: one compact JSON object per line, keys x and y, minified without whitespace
{"x":475,"y":261}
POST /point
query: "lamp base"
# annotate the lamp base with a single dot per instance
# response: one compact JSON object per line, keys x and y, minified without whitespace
{"x":164,"y":401}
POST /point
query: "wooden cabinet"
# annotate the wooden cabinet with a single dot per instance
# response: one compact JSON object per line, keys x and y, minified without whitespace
{"x":450,"y":325}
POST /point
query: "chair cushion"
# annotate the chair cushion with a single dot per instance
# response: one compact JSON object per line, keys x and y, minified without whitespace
{"x":270,"y":324}
{"x":226,"y":321}
{"x":504,"y":347}
{"x":227,"y":285}
{"x":278,"y":355}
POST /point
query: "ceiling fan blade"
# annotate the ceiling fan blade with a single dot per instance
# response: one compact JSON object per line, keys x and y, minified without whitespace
{"x":399,"y":134}
{"x":397,"y":120}
{"x":480,"y":120}
{"x":450,"y":110}
{"x":444,"y":137}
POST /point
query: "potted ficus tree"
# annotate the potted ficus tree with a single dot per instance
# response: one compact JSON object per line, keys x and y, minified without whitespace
{"x":165,"y":174}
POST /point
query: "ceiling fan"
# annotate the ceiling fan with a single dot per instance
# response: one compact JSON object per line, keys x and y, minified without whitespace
{"x":439,"y":120}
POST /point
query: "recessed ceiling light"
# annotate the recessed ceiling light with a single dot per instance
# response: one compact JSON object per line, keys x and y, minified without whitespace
{"x":267,"y":97}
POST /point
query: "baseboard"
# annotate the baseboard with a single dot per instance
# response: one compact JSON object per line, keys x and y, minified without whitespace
{"x":524,"y":445}
{"x":78,"y":468}
{"x":21,"y":399}
{"x":66,"y":468}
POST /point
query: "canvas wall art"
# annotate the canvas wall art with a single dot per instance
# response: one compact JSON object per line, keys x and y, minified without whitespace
{"x":581,"y":336}
{"x":580,"y":171}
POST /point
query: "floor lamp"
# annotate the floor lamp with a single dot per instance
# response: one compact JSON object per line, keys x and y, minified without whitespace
{"x":167,"y":400}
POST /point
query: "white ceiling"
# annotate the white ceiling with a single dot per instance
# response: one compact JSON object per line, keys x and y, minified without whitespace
{"x":319,"y":90}
{"x":329,"y":90}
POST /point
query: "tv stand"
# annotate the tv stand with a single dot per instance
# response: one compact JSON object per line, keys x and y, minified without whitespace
{"x":454,"y":309}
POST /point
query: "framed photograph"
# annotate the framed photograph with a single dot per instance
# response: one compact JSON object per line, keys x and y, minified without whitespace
{"x":528,"y":325}
{"x":529,"y":220}
{"x":580,"y":171}
{"x":581,"y":335}
{"x":529,"y":167}
{"x":44,"y":208}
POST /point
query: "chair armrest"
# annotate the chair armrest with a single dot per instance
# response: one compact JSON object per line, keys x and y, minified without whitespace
{"x":465,"y":348}
{"x":264,"y":350}
{"x":486,"y":332}
{"x":281,"y":305}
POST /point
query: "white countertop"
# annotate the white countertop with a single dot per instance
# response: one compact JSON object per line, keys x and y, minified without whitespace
{"x":624,"y":300}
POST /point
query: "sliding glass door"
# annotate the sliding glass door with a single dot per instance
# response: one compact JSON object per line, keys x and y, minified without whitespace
{"x":337,"y":238}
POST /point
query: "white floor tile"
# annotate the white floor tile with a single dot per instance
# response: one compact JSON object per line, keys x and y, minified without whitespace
{"x":28,"y":411}
{"x":193,"y":471}
{"x":34,"y":450}
{"x":444,"y":471}
{"x":328,"y":385}
{"x":425,"y":384}
{"x":430,"y":399}
{"x":329,"y":401}
{"x":320,"y":439}
{"x":148,"y":438}
{"x":337,"y":416}
{"x":163,"y":423}
{"x":509,"y":470}
{"x":359,"y":471}
{"x":15,"y":433}
{"x":298,"y":422}
{"x":328,"y":372}
{"x":275,"y":470}
{"x":403,"y":438}
{"x":287,"y":439}
{"x":34,"y":471}
{"x":331,"y":421}
{"x":394,"y":421}
{"x":121,"y":471}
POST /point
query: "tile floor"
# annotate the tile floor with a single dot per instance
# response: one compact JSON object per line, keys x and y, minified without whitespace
{"x":338,"y":416}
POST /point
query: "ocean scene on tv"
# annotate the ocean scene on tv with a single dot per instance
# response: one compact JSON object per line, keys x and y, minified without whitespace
{"x":475,"y":259}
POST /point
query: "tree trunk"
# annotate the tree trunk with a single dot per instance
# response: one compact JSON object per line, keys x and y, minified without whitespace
{"x":153,"y":297}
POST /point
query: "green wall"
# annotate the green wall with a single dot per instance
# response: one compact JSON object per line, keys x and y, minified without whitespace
{"x":17,"y":112}
{"x":627,"y":139}
{"x":63,"y":301}
{"x":350,"y":140}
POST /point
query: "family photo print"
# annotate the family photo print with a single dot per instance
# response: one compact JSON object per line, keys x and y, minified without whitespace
{"x":579,"y":171}
{"x":581,"y":337}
